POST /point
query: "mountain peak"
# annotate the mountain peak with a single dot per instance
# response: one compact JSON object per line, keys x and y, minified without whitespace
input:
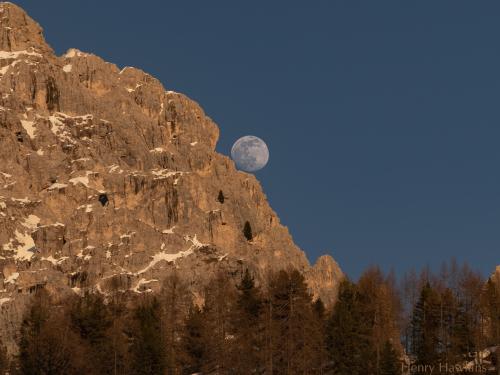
{"x":19,"y":31}
{"x":109,"y":182}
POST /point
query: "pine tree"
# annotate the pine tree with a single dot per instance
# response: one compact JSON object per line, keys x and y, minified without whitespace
{"x":247,"y":323}
{"x":318,"y":327}
{"x":4,"y":360}
{"x":48,"y":345}
{"x":349,"y":342}
{"x":471,"y":285}
{"x":34,"y":321}
{"x":174,"y":303}
{"x":148,"y":344}
{"x":90,"y":317}
{"x":218,"y":334}
{"x":291,"y":330}
{"x":389,"y":364}
{"x":192,"y":342}
{"x":221,"y":197}
{"x":117,"y":337}
{"x":426,"y":342}
{"x":458,"y":334}
{"x":494,"y":309}
{"x":249,"y":299}
{"x":410,"y":292}
{"x":381,"y":308}
{"x":247,"y":231}
{"x":491,"y":310}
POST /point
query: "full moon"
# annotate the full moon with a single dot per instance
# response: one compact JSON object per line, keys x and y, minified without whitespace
{"x":250,"y":153}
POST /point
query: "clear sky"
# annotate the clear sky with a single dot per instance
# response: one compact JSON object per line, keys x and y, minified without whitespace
{"x":382,"y":117}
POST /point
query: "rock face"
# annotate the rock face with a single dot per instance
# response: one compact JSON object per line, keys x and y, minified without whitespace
{"x":107,"y":179}
{"x":496,"y":274}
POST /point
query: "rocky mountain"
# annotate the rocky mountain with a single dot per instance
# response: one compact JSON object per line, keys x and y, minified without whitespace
{"x":107,"y":179}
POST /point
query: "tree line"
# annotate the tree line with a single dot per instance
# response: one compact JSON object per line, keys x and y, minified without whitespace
{"x":378,"y":326}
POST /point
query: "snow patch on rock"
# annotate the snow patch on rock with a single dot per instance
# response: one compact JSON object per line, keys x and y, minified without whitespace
{"x":30,"y":128}
{"x":169,"y":230}
{"x":31,"y":222}
{"x":84,"y":180}
{"x":158,"y":257}
{"x":158,"y":150}
{"x":164,"y":256}
{"x":23,"y":251}
{"x":142,"y":282}
{"x":115,"y":168}
{"x":57,"y":186}
{"x":87,"y":207}
{"x":17,"y":54}
{"x":58,"y":128}
{"x":165,"y":173}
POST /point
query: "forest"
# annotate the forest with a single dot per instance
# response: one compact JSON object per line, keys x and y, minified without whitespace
{"x":427,"y":323}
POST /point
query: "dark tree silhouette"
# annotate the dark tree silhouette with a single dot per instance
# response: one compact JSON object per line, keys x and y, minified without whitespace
{"x":389,"y":363}
{"x":221,"y":197}
{"x":247,"y":231}
{"x":148,"y":349}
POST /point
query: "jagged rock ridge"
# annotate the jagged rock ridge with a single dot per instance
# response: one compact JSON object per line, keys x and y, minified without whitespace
{"x":106,"y":178}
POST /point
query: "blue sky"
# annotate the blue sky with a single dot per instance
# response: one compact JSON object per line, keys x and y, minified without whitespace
{"x":382,"y":117}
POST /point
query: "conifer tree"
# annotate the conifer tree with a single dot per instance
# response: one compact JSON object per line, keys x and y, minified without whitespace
{"x":491,"y":309}
{"x":410,"y":293}
{"x":34,"y":321}
{"x":48,"y":345}
{"x":291,"y":324}
{"x":426,"y":342}
{"x":90,"y":317}
{"x":390,"y":364}
{"x":246,"y":320}
{"x":459,"y":335}
{"x":221,"y":197}
{"x":148,"y":344}
{"x":192,"y":342}
{"x":381,"y":308}
{"x":4,"y":360}
{"x":495,"y":316}
{"x":348,"y":334}
{"x":218,"y":334}
{"x":247,"y":231}
{"x":471,"y":285}
{"x":318,"y":327}
{"x":117,"y":332}
{"x":174,"y":304}
{"x":494,"y":307}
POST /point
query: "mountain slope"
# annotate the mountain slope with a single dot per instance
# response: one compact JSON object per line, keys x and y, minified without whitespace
{"x":107,"y":180}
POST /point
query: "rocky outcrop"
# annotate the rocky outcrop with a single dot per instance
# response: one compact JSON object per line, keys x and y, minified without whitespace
{"x":107,"y":180}
{"x":496,"y":274}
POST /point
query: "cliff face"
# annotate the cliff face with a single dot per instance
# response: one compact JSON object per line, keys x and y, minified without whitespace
{"x":108,"y":179}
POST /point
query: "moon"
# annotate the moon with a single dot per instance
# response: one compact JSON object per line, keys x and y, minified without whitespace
{"x":250,"y":153}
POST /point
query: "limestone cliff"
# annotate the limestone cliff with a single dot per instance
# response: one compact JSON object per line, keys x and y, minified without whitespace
{"x":106,"y":178}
